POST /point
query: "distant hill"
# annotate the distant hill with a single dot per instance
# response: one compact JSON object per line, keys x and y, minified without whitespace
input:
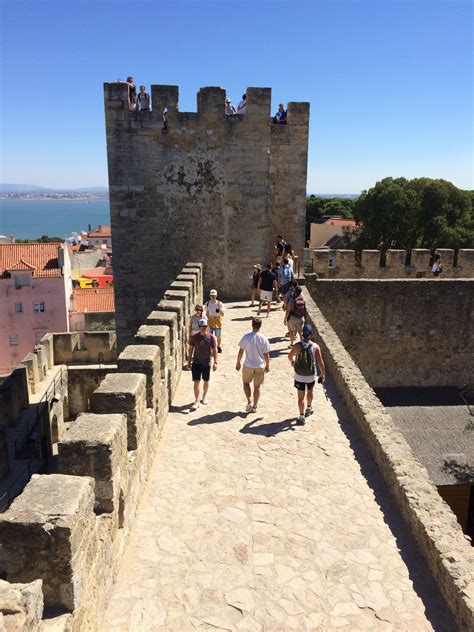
{"x":351,"y":196}
{"x":6,"y":187}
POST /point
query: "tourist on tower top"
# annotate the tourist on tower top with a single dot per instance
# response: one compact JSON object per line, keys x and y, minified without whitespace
{"x":215,"y":314}
{"x":242,"y":107}
{"x":229,"y":108}
{"x":143,"y":100}
{"x":280,"y":116}
{"x":257,"y":362}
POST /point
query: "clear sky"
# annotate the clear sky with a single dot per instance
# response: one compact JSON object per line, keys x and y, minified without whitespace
{"x":389,"y":81}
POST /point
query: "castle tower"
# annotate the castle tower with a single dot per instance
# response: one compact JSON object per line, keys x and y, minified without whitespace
{"x":210,"y":188}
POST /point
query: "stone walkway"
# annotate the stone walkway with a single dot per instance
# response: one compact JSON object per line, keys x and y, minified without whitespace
{"x":251,"y":523}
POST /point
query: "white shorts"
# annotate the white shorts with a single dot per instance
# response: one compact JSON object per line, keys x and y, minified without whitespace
{"x":266,"y":295}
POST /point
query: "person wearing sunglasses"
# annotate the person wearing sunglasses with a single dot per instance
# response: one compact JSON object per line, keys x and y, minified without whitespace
{"x":194,"y":321}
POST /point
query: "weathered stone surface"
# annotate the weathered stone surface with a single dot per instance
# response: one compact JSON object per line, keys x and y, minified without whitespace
{"x":388,"y":327}
{"x":144,"y":359}
{"x":96,"y":446}
{"x":48,"y":533}
{"x":21,"y":606}
{"x":123,"y":393}
{"x":238,"y":173}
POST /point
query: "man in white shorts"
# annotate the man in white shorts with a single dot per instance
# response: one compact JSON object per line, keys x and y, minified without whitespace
{"x":266,"y":285}
{"x":257,"y":363}
{"x":306,"y":357}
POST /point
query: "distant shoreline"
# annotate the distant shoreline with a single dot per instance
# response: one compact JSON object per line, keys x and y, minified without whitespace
{"x":54,"y":196}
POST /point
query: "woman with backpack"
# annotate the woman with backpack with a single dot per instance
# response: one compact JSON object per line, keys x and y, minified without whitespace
{"x":295,"y":313}
{"x":306,"y":358}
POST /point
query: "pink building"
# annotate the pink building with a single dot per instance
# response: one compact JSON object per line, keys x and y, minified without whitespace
{"x":35,"y":289}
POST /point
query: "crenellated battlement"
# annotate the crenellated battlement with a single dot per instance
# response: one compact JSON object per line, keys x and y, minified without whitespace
{"x":210,"y":106}
{"x":399,"y":264}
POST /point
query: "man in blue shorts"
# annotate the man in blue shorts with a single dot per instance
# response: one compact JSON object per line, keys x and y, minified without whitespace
{"x":202,"y":347}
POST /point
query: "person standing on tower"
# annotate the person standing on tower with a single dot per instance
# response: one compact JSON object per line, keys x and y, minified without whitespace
{"x":215,"y":314}
{"x":242,"y":107}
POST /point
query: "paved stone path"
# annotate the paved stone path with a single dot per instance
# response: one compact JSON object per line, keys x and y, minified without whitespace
{"x":252,"y":523}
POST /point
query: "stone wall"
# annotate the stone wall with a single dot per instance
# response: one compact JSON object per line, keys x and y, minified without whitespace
{"x":403,"y":332}
{"x":345,"y":264}
{"x":447,"y":550}
{"x":69,"y":529}
{"x":216,"y":188}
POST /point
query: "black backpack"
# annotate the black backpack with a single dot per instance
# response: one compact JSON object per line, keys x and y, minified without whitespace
{"x":304,"y":363}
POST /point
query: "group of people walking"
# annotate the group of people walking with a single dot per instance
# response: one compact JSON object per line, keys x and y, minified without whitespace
{"x":253,"y":356}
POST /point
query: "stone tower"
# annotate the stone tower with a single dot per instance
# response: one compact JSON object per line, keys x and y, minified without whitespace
{"x":210,"y":188}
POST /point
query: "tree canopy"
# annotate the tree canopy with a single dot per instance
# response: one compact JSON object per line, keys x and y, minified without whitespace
{"x":418,"y":213}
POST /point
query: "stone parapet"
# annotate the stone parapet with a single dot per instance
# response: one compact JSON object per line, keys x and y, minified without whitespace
{"x":69,"y":529}
{"x":348,"y":267}
{"x":123,"y":393}
{"x":96,"y":446}
{"x":435,"y":528}
{"x":21,"y":606}
{"x":48,"y":532}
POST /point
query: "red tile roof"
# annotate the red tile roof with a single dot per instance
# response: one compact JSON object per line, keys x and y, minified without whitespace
{"x":340,"y":222}
{"x":100,"y":231}
{"x":42,"y":259}
{"x":94,"y":300}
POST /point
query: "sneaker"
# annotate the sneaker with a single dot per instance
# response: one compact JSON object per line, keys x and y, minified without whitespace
{"x":309,"y":411}
{"x":219,"y":349}
{"x":254,"y":409}
{"x":195,"y":406}
{"x":204,"y":400}
{"x":248,"y":408}
{"x":300,"y":421}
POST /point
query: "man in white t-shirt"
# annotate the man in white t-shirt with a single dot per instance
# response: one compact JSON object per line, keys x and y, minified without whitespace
{"x":257,"y":363}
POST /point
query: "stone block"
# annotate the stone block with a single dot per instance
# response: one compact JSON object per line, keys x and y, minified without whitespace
{"x":197,"y":266}
{"x":144,"y":359}
{"x":123,"y":393}
{"x":187,"y":278}
{"x":321,"y":261}
{"x":163,"y":96}
{"x":211,"y":102}
{"x":47,"y":342}
{"x":345,"y":263}
{"x":177,"y":301}
{"x":370,"y":263}
{"x":159,"y":335}
{"x":395,"y":263}
{"x":64,"y":346}
{"x":465,"y":267}
{"x":21,"y":606}
{"x":96,"y":446}
{"x":40,"y":353}
{"x":13,"y":396}
{"x":170,"y":320}
{"x":30,"y":362}
{"x":420,"y":261}
{"x":101,"y":346}
{"x":48,"y":533}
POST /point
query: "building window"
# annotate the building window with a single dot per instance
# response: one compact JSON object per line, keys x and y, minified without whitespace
{"x":38,"y":306}
{"x":104,"y":241}
{"x":38,"y":336}
{"x":22,"y":280}
{"x":13,"y":340}
{"x":18,"y":308}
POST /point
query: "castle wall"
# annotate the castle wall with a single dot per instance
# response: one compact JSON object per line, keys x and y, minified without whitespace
{"x":403,"y":332}
{"x":447,"y":550}
{"x":215,"y":188}
{"x":69,"y":529}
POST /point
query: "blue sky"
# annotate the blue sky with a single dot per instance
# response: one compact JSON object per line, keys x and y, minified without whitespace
{"x":390,"y":82}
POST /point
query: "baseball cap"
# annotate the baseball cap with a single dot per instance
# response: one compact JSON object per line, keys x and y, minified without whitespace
{"x":213,"y":293}
{"x":307,"y":332}
{"x":202,"y":322}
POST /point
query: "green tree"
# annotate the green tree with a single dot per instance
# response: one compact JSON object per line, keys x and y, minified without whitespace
{"x":419,"y":213}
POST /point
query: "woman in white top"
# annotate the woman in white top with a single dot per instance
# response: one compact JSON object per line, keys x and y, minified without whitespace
{"x":194,"y":320}
{"x":306,"y":358}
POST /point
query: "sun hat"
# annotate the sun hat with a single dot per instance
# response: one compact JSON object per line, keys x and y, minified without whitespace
{"x":202,"y":322}
{"x":258,"y":266}
{"x":307,"y":332}
{"x":213,"y":293}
